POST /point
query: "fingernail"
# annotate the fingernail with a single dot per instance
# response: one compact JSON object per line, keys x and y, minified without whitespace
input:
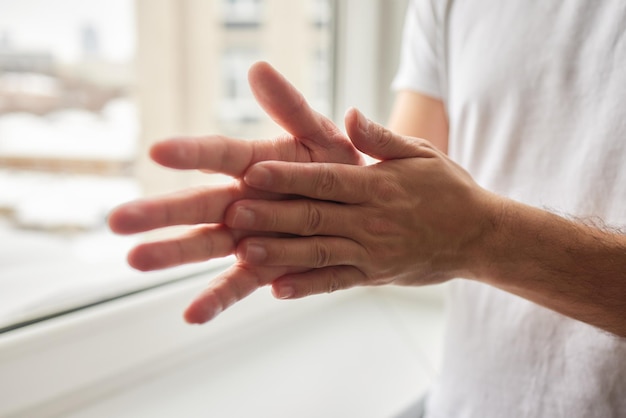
{"x":362,"y":122}
{"x":244,"y":218}
{"x":285,"y":292}
{"x":258,"y":177}
{"x":255,"y":253}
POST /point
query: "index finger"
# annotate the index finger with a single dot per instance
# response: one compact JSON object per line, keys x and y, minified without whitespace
{"x":200,"y":205}
{"x":221,"y":154}
{"x":323,"y":181}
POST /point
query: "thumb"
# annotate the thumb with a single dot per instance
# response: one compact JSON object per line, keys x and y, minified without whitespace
{"x":376,"y":141}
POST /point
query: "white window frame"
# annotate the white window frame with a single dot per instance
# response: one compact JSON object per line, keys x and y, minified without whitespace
{"x":366,"y":55}
{"x":57,"y":365}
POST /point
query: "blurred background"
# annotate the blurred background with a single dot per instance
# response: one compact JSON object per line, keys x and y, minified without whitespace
{"x":86,"y":86}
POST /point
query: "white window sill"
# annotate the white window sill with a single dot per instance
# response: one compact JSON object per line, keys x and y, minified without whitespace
{"x":74,"y":362}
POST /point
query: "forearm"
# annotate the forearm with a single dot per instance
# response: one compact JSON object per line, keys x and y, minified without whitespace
{"x":572,"y":268}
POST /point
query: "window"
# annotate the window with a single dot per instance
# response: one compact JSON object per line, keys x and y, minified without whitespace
{"x":321,"y":80}
{"x":321,"y":12}
{"x":242,"y":13}
{"x":85,"y":88}
{"x":68,"y":141}
{"x":237,"y":104}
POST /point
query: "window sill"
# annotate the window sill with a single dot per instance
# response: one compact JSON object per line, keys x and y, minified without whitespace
{"x":380,"y":345}
{"x":41,"y":365}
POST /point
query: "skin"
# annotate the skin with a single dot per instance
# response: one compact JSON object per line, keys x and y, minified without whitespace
{"x":392,"y":222}
{"x":420,"y":218}
{"x":310,"y":137}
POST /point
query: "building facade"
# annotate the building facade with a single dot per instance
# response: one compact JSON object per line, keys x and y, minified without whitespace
{"x":192,"y":62}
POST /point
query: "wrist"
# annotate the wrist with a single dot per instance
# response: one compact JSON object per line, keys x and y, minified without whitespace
{"x":521,"y":241}
{"x":488,"y":253}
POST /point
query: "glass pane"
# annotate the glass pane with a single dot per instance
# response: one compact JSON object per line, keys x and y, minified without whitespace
{"x":237,"y":104}
{"x":242,"y":12}
{"x":85,"y":87}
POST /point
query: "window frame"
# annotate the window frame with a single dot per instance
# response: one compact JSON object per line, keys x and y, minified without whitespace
{"x":366,"y":55}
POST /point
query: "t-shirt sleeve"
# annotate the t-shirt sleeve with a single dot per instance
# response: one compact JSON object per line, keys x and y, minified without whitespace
{"x":421,"y":57}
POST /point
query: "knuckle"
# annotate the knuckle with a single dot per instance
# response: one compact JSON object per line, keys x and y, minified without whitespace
{"x":321,"y":255}
{"x":334,"y":281}
{"x":382,"y":136}
{"x":427,"y":147}
{"x":313,"y":219}
{"x":328,"y":128}
{"x":385,"y":188}
{"x":273,"y":219}
{"x":378,"y":226}
{"x":420,"y":142}
{"x":326,"y":180}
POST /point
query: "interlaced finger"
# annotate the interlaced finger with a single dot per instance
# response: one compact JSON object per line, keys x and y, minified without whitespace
{"x":304,"y":217}
{"x":317,"y":281}
{"x":310,"y":252}
{"x":198,"y":244}
{"x":230,"y":287}
{"x":323,"y":181}
{"x":200,"y":205}
{"x":220,"y":154}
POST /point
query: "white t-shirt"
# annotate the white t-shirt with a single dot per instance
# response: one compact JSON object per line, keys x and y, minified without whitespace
{"x":535,"y":92}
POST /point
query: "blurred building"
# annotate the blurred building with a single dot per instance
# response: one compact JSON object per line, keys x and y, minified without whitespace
{"x":16,"y":61}
{"x":32,"y":81}
{"x":90,"y":41}
{"x":43,"y":102}
{"x":189,"y":77}
{"x":198,"y":53}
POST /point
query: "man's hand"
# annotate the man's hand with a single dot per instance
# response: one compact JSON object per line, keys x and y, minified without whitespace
{"x":311,"y":138}
{"x":414,"y":218}
{"x":418,"y":218}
